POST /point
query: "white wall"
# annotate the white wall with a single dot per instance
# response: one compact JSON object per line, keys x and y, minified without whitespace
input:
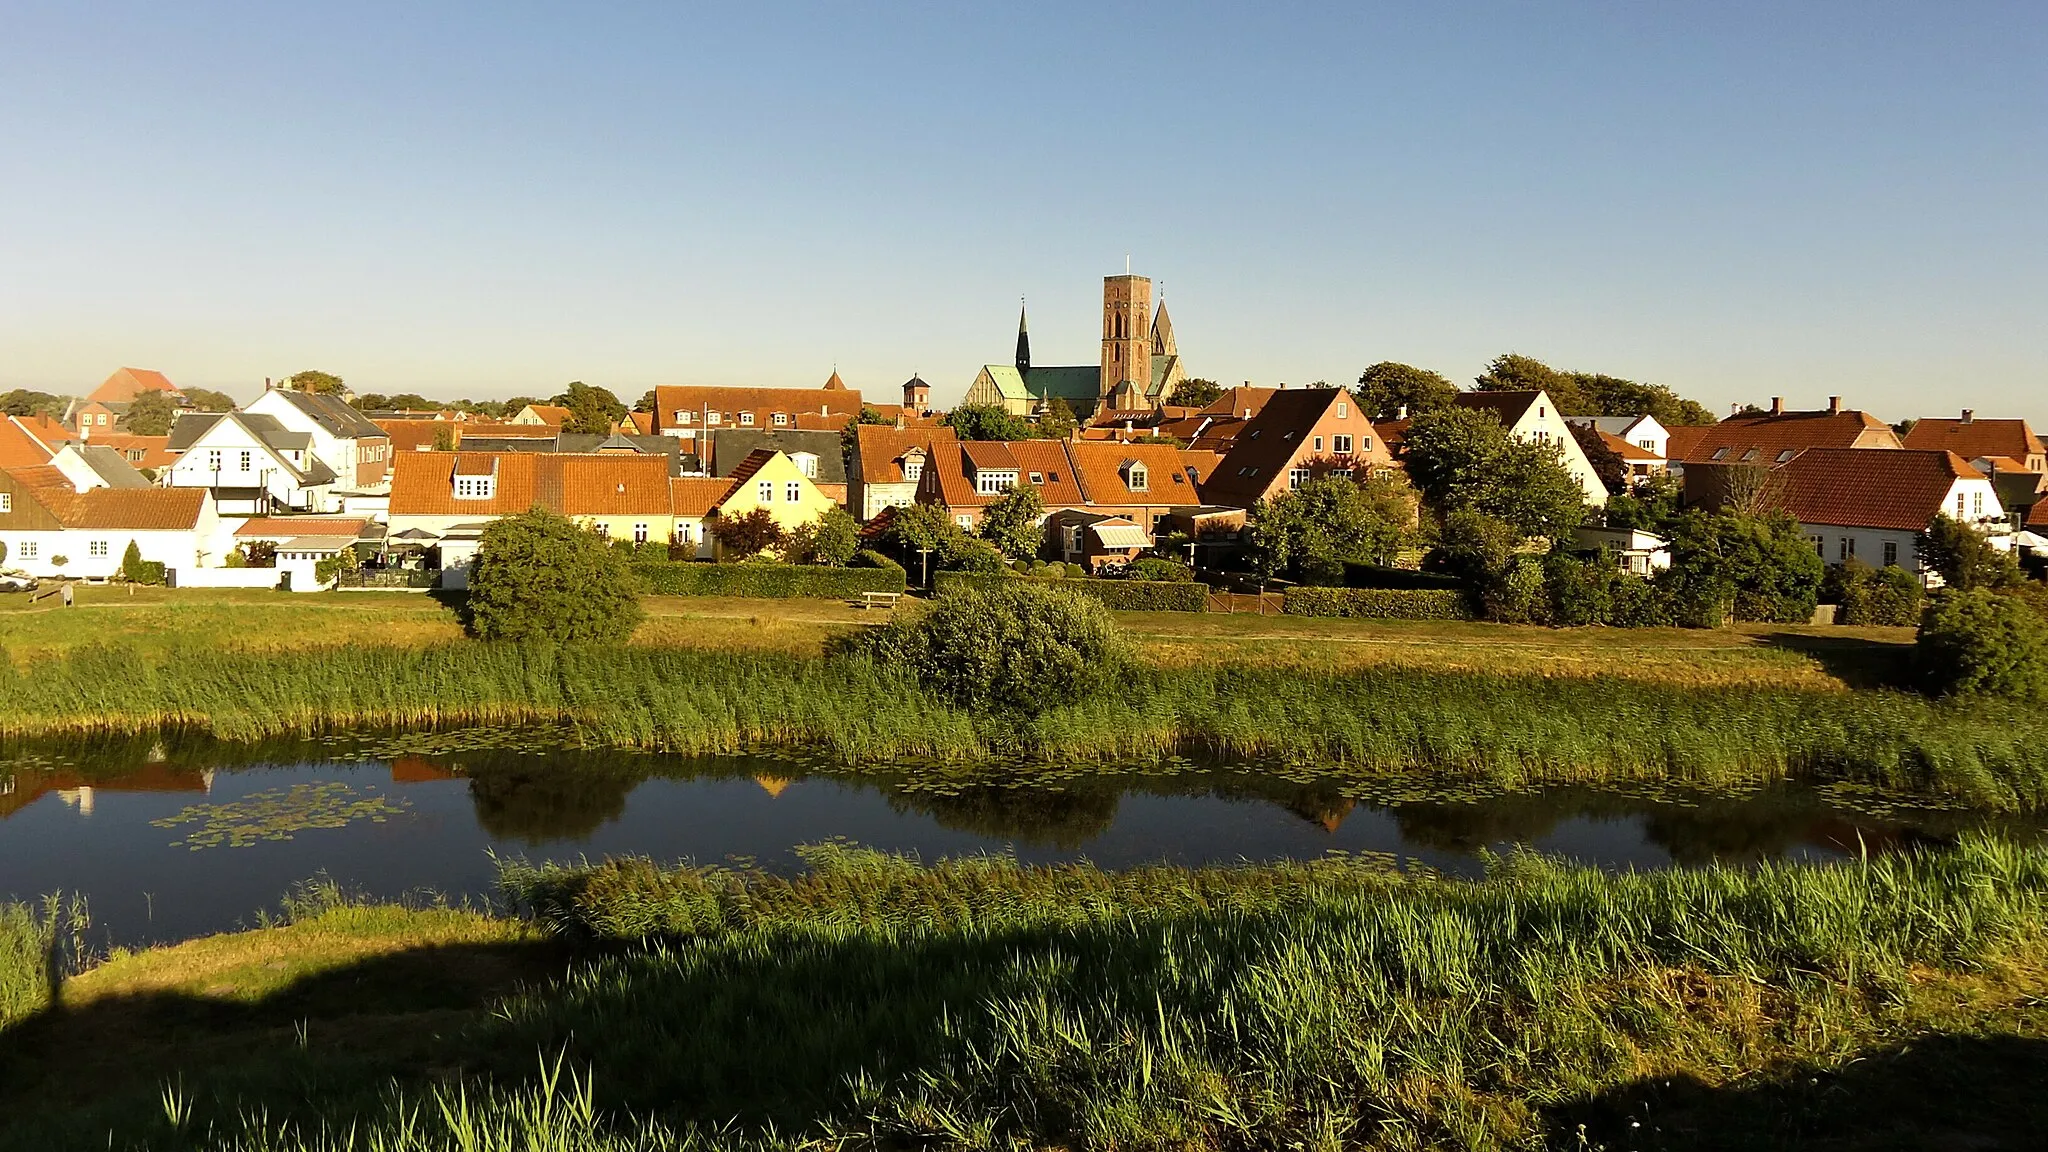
{"x":1865,"y":544}
{"x":180,"y":549}
{"x":1542,"y":424}
{"x":193,"y":468}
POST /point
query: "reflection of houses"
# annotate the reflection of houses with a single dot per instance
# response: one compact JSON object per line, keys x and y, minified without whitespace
{"x":21,"y":789}
{"x":416,"y":770}
{"x":774,"y":786}
{"x":1328,"y":814}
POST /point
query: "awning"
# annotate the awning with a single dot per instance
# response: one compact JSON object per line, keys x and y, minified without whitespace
{"x":2031,"y":540}
{"x":414,"y":534}
{"x":316,"y":544}
{"x":1121,"y":535}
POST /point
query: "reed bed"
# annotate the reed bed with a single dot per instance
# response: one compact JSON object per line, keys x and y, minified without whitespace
{"x":1505,"y":729}
{"x":39,"y":946}
{"x":877,"y":1002}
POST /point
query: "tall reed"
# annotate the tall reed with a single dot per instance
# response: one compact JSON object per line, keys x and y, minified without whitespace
{"x":1512,"y":729}
{"x":39,"y":947}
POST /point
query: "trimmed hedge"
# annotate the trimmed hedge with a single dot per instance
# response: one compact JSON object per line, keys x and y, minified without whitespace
{"x":766,"y":581}
{"x":1377,"y":603}
{"x":1120,"y":595}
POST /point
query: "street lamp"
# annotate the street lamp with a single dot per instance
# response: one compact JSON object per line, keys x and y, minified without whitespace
{"x":924,"y":558}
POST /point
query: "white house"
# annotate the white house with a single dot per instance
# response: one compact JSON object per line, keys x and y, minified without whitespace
{"x":251,"y":462}
{"x":344,"y":439}
{"x":1872,"y":505}
{"x":52,"y":526}
{"x":1634,"y":550}
{"x":1533,"y":418}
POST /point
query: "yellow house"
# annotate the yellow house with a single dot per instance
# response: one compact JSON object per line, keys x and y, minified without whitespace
{"x":768,"y":479}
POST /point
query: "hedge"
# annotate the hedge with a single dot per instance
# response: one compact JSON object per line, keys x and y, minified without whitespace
{"x":1377,"y":603}
{"x":1120,"y":595}
{"x":766,"y":581}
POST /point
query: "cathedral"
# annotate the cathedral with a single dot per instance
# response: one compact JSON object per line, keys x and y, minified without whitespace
{"x":1139,"y":370}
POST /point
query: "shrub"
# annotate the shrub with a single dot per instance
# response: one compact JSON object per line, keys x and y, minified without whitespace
{"x":1002,"y":645}
{"x":540,"y":577}
{"x":326,"y":571}
{"x":136,"y":570}
{"x":1890,"y":596}
{"x":1962,"y":555}
{"x":1578,"y":591}
{"x":1979,"y":642}
{"x":869,"y":558}
{"x":1014,"y":522}
{"x":770,"y":581}
{"x":1121,"y":595}
{"x":1636,"y":602}
{"x":1377,"y":603}
{"x":1161,"y":569}
{"x":740,"y":537}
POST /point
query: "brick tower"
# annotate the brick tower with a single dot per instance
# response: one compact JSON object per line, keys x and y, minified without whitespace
{"x":1126,"y":340}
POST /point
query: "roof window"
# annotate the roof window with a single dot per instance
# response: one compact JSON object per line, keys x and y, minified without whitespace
{"x":1038,"y":477}
{"x":1720,"y":453}
{"x":1787,"y":454}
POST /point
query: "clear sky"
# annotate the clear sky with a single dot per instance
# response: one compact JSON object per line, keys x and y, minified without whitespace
{"x":1737,"y":199}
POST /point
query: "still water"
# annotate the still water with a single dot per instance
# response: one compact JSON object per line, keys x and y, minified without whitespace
{"x":173,"y":842}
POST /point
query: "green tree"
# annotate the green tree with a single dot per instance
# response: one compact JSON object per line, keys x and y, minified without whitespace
{"x":592,"y":411}
{"x":1311,"y":532}
{"x":412,"y":402}
{"x":646,"y":403}
{"x":831,"y":539}
{"x":371,"y":402}
{"x":987,"y":422}
{"x":1058,"y":421}
{"x":1463,"y":458}
{"x":322,"y":383}
{"x":849,"y":436}
{"x":444,"y":438}
{"x":1387,"y":387}
{"x":1765,"y":562}
{"x":540,"y":577}
{"x":207,"y":400}
{"x":744,"y":537}
{"x":1650,"y":506}
{"x":1963,"y":557}
{"x":1195,"y":392}
{"x":1591,"y":393}
{"x":149,"y":414}
{"x":1013,"y":522}
{"x":1981,"y":641}
{"x":1607,"y":463}
{"x":1016,"y":646}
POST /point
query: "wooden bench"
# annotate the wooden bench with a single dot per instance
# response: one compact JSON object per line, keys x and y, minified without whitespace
{"x":876,"y":600}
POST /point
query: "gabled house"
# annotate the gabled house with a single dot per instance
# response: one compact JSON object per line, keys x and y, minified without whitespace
{"x":94,"y":417}
{"x":1079,"y":481}
{"x":344,"y":439}
{"x":2011,"y":442}
{"x":53,"y":526}
{"x":619,"y":496}
{"x":1640,"y":441}
{"x":1295,"y":435}
{"x":21,"y":448}
{"x":97,"y":466}
{"x":253,"y":464}
{"x":551,"y":415}
{"x":127,"y":383}
{"x":770,"y":480}
{"x":1532,"y":417}
{"x":150,"y":452}
{"x":1863,"y":504}
{"x":819,"y":455}
{"x":687,"y":412}
{"x":889,"y":463}
{"x":1770,"y":438}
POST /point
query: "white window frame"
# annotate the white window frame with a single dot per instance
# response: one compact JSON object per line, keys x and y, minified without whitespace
{"x":764,"y":492}
{"x":639,"y":533}
{"x":97,"y":549}
{"x":248,"y":460}
{"x":1891,"y":553}
{"x":6,"y":501}
{"x":746,"y":419}
{"x":793,"y":492}
{"x":26,"y":549}
{"x":213,"y":459}
{"x":1140,"y":479}
{"x":475,"y":487}
{"x":1296,"y":477}
{"x":781,"y":419}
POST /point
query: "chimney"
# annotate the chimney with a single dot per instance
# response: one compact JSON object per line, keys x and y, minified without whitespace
{"x":1834,"y":405}
{"x":1969,"y":414}
{"x":1777,"y":405}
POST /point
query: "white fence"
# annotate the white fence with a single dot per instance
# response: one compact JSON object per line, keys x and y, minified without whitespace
{"x":226,"y":577}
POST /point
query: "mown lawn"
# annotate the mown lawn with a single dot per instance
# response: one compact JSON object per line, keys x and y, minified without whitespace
{"x":156,"y":620}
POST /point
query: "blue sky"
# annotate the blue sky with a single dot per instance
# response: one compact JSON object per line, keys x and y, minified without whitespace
{"x":1740,"y":200}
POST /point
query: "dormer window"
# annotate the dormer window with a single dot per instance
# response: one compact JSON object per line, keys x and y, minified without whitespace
{"x":746,"y":419}
{"x":994,"y":481}
{"x":781,"y":419}
{"x":1720,"y":453}
{"x":913,"y":467}
{"x":711,"y":417}
{"x":1136,"y":477}
{"x":475,"y":487}
{"x":806,"y":462}
{"x":1037,"y":478}
{"x":682,"y":417}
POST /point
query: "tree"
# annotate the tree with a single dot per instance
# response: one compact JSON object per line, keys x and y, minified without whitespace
{"x":149,"y":414}
{"x":444,"y":438}
{"x":1058,"y":421}
{"x":987,"y":422}
{"x":1463,"y":458}
{"x":831,"y":539}
{"x":1765,"y":562}
{"x":1607,"y":463}
{"x":743,"y":537}
{"x":207,"y":400}
{"x":1195,"y":392}
{"x":322,"y":383}
{"x":1013,"y":522}
{"x":411,"y":402}
{"x":592,"y":411}
{"x":646,"y":403}
{"x":849,"y":436}
{"x":540,"y":577}
{"x":23,"y":402}
{"x":1314,"y":530}
{"x":1963,"y":556}
{"x":1387,"y":387}
{"x":371,"y":402}
{"x":1017,"y":646}
{"x":1980,"y":641}
{"x":1591,"y":393}
{"x":1650,"y":506}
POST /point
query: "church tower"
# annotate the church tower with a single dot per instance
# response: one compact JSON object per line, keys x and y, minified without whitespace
{"x":1023,"y":343}
{"x":1126,"y":341}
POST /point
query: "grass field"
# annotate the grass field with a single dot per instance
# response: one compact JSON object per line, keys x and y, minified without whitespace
{"x":876,"y":1002}
{"x":156,"y":619}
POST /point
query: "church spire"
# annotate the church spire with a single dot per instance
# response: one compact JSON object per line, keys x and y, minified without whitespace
{"x":1162,"y":333}
{"x":1023,"y":340}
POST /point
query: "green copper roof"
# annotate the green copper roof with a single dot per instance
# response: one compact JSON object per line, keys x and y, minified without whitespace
{"x":1081,"y":382}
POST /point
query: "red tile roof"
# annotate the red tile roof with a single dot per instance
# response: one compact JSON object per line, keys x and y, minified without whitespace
{"x":553,"y":415}
{"x":989,"y":454}
{"x":1866,"y":488}
{"x":1624,"y":449}
{"x":1684,"y":440}
{"x":1104,"y":472}
{"x":882,"y":446}
{"x":285,"y":527}
{"x":19,"y":448}
{"x":419,"y":435}
{"x":1760,"y":438}
{"x":128,"y":383}
{"x":1047,"y":465}
{"x":130,"y":509}
{"x":698,"y":495}
{"x":755,"y":461}
{"x":50,"y":432}
{"x":1976,"y":437}
{"x":423,"y":483}
{"x":155,"y":450}
{"x":762,"y":402}
{"x":2037,"y":516}
{"x":1267,"y":445}
{"x":611,"y":484}
{"x":1242,"y":402}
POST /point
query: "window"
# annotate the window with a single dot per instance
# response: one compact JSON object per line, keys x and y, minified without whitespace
{"x":793,"y":491}
{"x":1343,"y":410}
{"x":781,"y":419}
{"x":764,"y":492}
{"x":1253,"y":434}
{"x":135,"y":455}
{"x":603,"y":530}
{"x":1296,"y":477}
{"x":993,"y":483}
{"x":1720,"y":453}
{"x":1820,"y":546}
{"x":1319,"y":443}
{"x":1365,"y":443}
{"x":1542,"y":437}
{"x":964,"y":521}
{"x":1976,"y":503}
{"x":1845,"y":547}
{"x":682,"y":417}
{"x":806,"y":463}
{"x":1649,"y":444}
{"x":96,"y":548}
{"x":213,"y":459}
{"x":711,"y":417}
{"x":639,"y":533}
{"x":1036,"y":479}
{"x":913,"y":468}
{"x":28,"y":549}
{"x":1139,"y":480}
{"x":1342,"y":445}
{"x":1959,"y":505}
{"x":1787,"y":454}
{"x":746,"y":419}
{"x":1891,"y":553}
{"x":100,"y":419}
{"x":475,"y":487}
{"x":6,"y":501}
{"x":248,"y":460}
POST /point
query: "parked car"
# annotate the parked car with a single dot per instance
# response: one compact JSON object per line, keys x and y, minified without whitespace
{"x":17,"y":582}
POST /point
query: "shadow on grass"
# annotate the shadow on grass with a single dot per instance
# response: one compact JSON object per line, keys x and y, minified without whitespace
{"x":1975,"y":1093}
{"x":1857,"y":661}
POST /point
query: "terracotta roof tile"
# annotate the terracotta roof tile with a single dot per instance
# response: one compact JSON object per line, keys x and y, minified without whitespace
{"x":154,"y":451}
{"x":1048,"y":466}
{"x":988,"y":454}
{"x":284,"y":527}
{"x":2037,"y":517}
{"x":423,"y":483}
{"x":1869,"y":488}
{"x":1624,"y":449}
{"x":127,"y":383}
{"x":698,"y":495}
{"x":1104,"y":472}
{"x":113,"y":509}
{"x":1263,"y":449}
{"x":762,"y":402}
{"x":1976,"y":438}
{"x":418,"y":435}
{"x":882,"y":446}
{"x":554,"y":415}
{"x":605,"y":485}
{"x":19,"y":448}
{"x":1761,"y":438}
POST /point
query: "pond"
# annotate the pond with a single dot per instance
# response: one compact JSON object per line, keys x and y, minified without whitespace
{"x":170,"y":841}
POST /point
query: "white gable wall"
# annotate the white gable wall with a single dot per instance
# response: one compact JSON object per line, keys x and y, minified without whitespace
{"x":228,"y":455}
{"x":335,"y":452}
{"x":1541,"y":424}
